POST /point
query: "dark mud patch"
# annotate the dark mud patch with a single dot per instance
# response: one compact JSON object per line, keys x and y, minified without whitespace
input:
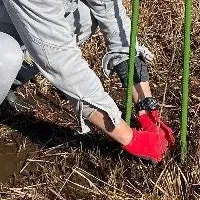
{"x":9,"y":161}
{"x":14,"y":151}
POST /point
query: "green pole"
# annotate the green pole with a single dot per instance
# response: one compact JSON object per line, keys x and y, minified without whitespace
{"x":185,"y":77}
{"x":132,"y":52}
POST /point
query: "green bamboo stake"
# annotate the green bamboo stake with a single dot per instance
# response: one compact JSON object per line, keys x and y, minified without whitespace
{"x":185,"y":77}
{"x":132,"y":52}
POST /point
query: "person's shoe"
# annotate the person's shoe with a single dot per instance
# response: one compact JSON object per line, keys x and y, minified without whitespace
{"x":151,"y":122}
{"x":18,"y":104}
{"x":147,"y":145}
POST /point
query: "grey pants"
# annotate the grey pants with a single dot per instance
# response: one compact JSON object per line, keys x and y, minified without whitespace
{"x":45,"y":30}
{"x":11,"y":58}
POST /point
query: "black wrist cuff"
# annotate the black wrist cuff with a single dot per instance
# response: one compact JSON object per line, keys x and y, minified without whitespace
{"x":149,"y":103}
{"x":140,"y":73}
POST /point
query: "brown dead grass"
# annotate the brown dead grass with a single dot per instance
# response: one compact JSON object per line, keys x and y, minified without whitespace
{"x":69,"y":166}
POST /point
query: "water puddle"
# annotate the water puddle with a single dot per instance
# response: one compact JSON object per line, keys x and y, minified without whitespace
{"x":8,"y":161}
{"x":11,"y":160}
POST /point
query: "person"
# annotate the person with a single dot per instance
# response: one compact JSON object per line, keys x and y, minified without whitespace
{"x":52,"y":31}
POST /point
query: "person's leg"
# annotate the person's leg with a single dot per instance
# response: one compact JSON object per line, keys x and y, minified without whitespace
{"x":53,"y":47}
{"x":11,"y":58}
{"x":26,"y":72}
{"x":6,"y":25}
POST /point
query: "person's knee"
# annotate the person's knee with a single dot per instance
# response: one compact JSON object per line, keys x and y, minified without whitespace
{"x":11,"y":55}
{"x":11,"y":58}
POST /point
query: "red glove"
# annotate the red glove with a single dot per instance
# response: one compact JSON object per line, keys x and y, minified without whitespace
{"x":151,"y":122}
{"x":148,"y":145}
{"x":154,"y":115}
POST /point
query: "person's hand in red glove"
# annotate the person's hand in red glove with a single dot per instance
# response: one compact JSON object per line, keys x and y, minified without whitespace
{"x":154,"y":137}
{"x":150,"y":119}
{"x":145,"y":104}
{"x":148,"y":145}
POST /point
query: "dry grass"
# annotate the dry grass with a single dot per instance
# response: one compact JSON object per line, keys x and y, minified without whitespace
{"x":64,"y":165}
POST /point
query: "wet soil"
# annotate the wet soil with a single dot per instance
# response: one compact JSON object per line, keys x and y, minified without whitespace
{"x":9,"y":161}
{"x":14,"y":150}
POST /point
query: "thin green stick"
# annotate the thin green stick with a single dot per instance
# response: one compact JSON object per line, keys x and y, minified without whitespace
{"x":185,"y":77}
{"x":132,"y":52}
